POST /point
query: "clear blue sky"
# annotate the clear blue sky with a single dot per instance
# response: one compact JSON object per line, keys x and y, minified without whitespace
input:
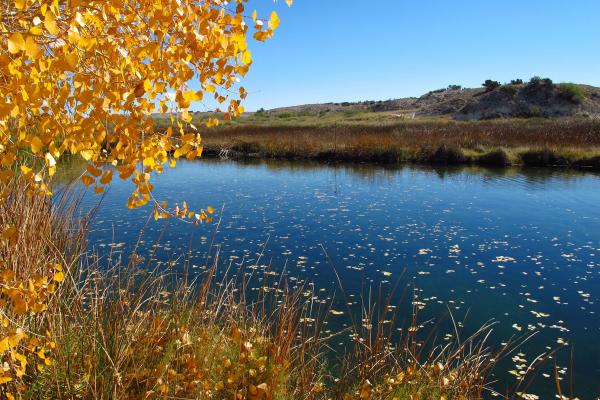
{"x":349,"y":50}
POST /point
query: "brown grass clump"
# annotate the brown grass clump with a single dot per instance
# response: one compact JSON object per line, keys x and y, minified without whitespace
{"x":40,"y":238}
{"x":138,"y":334}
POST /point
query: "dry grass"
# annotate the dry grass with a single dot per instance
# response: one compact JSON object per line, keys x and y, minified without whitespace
{"x":568,"y":142}
{"x":126,"y":330}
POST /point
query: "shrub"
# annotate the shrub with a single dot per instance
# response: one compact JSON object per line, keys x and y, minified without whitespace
{"x":537,"y":81}
{"x":437,"y":91}
{"x":533,"y":111}
{"x":541,"y":158}
{"x":496,"y":158}
{"x":571,"y":92}
{"x":447,"y":155}
{"x":547,"y":82}
{"x":490,"y":85}
{"x":516,"y":81}
{"x":454,"y":87}
{"x":511,"y":89}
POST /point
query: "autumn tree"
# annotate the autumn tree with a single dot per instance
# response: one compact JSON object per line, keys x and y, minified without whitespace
{"x":82,"y":77}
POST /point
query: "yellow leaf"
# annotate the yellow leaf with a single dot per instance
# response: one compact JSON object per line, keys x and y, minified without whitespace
{"x":50,"y":23}
{"x":106,"y":177}
{"x":15,"y":338}
{"x":87,"y":180}
{"x":16,"y":43}
{"x":274,"y":21}
{"x":72,"y":59}
{"x":95,"y":172}
{"x":6,"y":379}
{"x":86,"y":154}
{"x":247,"y":57}
{"x":59,"y":276}
{"x":149,"y":162}
{"x":36,"y":144}
{"x":192,"y":95}
{"x":4,"y":345}
{"x":31,"y":47}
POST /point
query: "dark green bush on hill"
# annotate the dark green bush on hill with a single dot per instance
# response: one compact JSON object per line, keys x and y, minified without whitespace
{"x":537,"y":81}
{"x":490,"y":85}
{"x":516,"y":82}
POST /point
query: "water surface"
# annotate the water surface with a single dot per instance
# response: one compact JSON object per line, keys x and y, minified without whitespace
{"x":519,"y":247}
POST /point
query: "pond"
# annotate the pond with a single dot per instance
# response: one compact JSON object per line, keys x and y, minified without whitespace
{"x":520,"y":247}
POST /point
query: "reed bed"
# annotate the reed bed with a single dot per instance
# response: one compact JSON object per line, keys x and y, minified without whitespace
{"x":573,"y":142}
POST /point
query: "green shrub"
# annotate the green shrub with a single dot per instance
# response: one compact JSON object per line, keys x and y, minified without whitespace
{"x":490,"y":85}
{"x":534,"y":111}
{"x":571,"y":92}
{"x":537,"y":81}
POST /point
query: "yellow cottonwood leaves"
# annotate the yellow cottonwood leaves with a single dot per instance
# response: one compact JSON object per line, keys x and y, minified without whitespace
{"x":241,"y":366}
{"x":18,"y":299}
{"x":82,"y":77}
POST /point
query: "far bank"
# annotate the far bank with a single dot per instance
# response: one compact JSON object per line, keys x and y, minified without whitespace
{"x":385,"y":139}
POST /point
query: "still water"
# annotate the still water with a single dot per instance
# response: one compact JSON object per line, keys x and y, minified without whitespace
{"x":519,"y":247}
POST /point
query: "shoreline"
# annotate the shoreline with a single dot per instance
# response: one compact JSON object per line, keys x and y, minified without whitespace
{"x":556,"y":143}
{"x":442,"y":156}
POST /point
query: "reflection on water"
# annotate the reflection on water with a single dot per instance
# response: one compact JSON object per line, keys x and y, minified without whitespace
{"x":517,"y":246}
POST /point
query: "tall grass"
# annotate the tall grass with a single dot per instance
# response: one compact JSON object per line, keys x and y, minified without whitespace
{"x":124,"y":329}
{"x":572,"y":142}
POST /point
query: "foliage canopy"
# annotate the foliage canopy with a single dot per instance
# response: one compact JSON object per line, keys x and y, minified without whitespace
{"x":81,"y":78}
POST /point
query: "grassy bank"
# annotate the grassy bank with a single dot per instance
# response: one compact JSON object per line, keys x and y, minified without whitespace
{"x":390,"y":138}
{"x":121,"y":328}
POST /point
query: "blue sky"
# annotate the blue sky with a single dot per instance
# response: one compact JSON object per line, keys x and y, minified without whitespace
{"x":349,"y":50}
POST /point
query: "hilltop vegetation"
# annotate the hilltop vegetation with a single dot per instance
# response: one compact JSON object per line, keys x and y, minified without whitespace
{"x":516,"y":99}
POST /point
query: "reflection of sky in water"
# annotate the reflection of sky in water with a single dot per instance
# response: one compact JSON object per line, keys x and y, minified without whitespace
{"x":518,"y":248}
